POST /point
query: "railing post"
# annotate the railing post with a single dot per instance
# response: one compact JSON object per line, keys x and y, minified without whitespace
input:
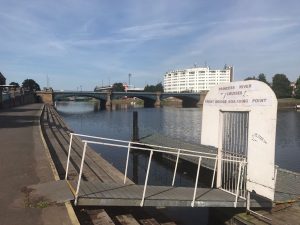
{"x":196,"y":182}
{"x":220,"y":154}
{"x":80,"y":173}
{"x":146,"y":180}
{"x":215,"y":167}
{"x":69,"y":155}
{"x":127,"y":160}
{"x":175,"y":170}
{"x":238,"y":185}
{"x":248,"y":201}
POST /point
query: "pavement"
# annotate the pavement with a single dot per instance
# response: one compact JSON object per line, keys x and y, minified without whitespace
{"x":24,"y":162}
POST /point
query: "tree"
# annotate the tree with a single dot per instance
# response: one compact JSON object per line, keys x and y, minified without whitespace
{"x":154,"y":88}
{"x":281,"y":86}
{"x":30,"y":85}
{"x":15,"y":84}
{"x":250,"y":78}
{"x":298,"y":82}
{"x":297,"y":91}
{"x":262,"y":77}
{"x":2,"y":79}
{"x":118,"y":87}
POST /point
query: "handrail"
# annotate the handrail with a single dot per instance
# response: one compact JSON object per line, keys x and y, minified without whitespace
{"x":137,"y":143}
{"x":180,"y":152}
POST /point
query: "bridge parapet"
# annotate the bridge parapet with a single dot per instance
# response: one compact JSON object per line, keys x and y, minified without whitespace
{"x":151,"y":99}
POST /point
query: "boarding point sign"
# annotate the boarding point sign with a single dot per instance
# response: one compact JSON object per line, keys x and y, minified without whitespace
{"x":237,"y":94}
{"x":259,"y":101}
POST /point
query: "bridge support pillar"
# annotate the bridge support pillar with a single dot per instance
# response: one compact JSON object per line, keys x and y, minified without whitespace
{"x":157,"y":103}
{"x":108,"y":101}
{"x":201,"y":99}
{"x":45,"y":96}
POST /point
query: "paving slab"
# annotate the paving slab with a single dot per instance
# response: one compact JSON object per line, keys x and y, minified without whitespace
{"x":23,"y":162}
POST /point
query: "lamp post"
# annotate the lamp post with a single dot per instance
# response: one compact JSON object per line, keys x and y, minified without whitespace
{"x":129,"y":76}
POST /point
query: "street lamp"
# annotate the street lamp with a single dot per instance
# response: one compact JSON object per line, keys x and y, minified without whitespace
{"x":129,"y":76}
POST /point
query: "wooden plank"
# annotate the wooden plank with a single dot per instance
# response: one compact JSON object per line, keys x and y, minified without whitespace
{"x":127,"y":220}
{"x":102,"y":218}
{"x":151,"y":221}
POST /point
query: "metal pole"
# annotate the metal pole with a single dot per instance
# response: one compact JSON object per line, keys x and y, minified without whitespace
{"x":146,"y":180}
{"x":238,"y":185}
{"x":215,"y":167}
{"x":175,"y":170}
{"x":196,"y":182}
{"x":248,"y":201}
{"x":127,"y":160}
{"x":80,"y":173}
{"x":135,"y":128}
{"x":220,"y":137}
{"x":69,"y":154}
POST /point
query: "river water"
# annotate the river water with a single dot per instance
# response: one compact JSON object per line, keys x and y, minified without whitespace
{"x":179,"y":123}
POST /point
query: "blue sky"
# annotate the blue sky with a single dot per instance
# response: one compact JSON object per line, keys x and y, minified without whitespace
{"x":86,"y":42}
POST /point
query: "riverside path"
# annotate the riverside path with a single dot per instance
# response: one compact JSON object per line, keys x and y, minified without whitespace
{"x":24,"y":162}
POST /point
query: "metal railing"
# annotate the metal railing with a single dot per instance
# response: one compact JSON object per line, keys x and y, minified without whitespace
{"x":129,"y":145}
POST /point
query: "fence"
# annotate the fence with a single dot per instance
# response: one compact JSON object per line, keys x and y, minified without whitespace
{"x":151,"y":149}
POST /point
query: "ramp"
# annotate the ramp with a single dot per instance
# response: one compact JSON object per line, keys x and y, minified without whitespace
{"x":98,"y":193}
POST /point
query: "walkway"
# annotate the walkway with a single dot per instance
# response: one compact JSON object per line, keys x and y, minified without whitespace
{"x":23,"y":162}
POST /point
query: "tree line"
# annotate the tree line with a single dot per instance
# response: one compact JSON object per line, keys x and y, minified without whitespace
{"x":119,"y":87}
{"x":280,"y":85}
{"x":28,"y":84}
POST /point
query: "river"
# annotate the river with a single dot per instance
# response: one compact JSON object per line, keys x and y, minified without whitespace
{"x":180,"y":123}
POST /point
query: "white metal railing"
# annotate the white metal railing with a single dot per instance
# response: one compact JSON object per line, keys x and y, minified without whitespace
{"x":154,"y":148}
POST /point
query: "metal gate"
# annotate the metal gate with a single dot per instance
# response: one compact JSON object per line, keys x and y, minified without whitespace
{"x":234,"y":152}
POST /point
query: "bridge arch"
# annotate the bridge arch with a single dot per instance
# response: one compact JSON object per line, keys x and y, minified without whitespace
{"x":151,"y":99}
{"x":103,"y":97}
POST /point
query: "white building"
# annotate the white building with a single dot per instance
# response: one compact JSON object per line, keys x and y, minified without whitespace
{"x":196,"y":79}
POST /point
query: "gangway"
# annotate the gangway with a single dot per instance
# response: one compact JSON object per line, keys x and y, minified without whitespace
{"x":90,"y":193}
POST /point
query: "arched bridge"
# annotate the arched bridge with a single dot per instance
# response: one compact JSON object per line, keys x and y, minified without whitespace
{"x":151,"y":99}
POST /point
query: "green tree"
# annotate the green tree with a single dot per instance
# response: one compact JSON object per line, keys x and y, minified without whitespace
{"x":30,"y":85}
{"x":250,"y":78}
{"x":281,"y":86}
{"x":118,"y":87}
{"x":2,"y":79}
{"x":262,"y":77}
{"x":297,"y":91}
{"x":154,"y":88}
{"x":14,"y":83}
{"x":298,"y":82}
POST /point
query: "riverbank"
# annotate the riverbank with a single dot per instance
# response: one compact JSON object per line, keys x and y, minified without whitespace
{"x":24,"y":162}
{"x":288,"y":103}
{"x":284,"y":103}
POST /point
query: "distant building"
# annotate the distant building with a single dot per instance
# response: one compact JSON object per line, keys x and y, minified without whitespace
{"x":196,"y":79}
{"x":2,"y":79}
{"x":131,"y":88}
{"x":103,"y":88}
{"x":293,"y":87}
